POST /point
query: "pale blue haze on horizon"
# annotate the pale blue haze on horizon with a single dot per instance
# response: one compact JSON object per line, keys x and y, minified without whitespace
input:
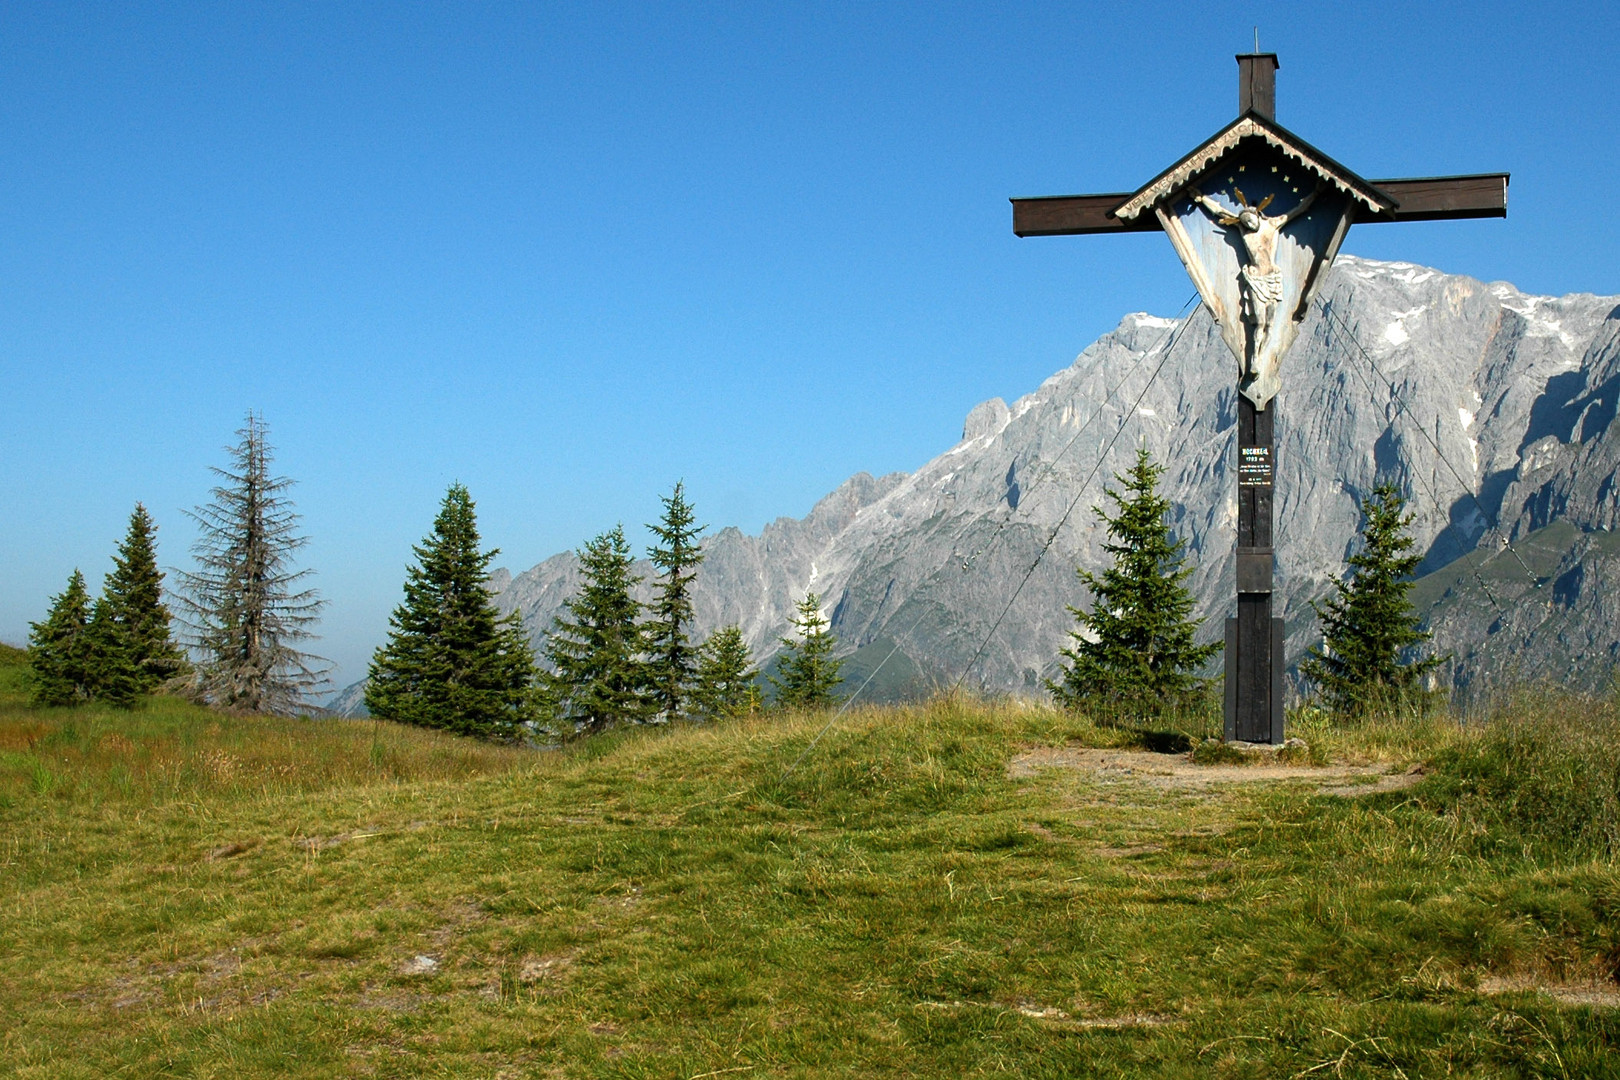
{"x":568,"y":255}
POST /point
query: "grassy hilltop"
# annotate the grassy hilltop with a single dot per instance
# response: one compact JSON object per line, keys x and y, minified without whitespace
{"x":960,"y":889}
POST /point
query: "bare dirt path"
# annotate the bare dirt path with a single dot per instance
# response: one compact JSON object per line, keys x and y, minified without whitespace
{"x":1179,"y":771}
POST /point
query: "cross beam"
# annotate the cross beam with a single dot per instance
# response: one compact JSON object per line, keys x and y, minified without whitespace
{"x":1254,"y":639}
{"x":1427,"y":198}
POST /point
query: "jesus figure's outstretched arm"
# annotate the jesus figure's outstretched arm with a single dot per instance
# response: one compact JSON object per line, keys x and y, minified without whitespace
{"x":1210,"y":206}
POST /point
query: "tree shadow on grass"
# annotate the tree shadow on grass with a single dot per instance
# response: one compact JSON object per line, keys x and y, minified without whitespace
{"x":1161,"y":742}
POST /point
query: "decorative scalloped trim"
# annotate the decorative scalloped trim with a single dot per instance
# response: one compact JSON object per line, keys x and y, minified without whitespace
{"x":1202,"y":158}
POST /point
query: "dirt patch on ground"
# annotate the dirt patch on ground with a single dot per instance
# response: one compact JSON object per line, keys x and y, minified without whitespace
{"x":553,"y":966}
{"x":1058,"y":1017}
{"x":1598,"y":994}
{"x":1179,"y":771}
{"x":215,"y":981}
{"x":1131,"y":852}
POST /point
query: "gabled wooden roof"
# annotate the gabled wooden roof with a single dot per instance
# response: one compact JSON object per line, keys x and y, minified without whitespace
{"x":1252,"y":125}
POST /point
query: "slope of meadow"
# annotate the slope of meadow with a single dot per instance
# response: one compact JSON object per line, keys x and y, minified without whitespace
{"x":189,"y":894}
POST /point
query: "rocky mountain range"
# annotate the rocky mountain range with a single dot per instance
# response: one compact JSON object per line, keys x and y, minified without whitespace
{"x":1492,"y":409}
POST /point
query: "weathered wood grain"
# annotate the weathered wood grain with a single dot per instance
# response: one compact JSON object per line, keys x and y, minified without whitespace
{"x":1441,"y":198}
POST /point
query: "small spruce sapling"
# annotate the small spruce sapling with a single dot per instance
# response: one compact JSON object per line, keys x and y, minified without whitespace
{"x":1135,"y":650}
{"x":1370,"y":634}
{"x":807,"y":673}
{"x":727,"y":682}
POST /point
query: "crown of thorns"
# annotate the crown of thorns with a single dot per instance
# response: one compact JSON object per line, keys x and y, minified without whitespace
{"x":1228,"y":219}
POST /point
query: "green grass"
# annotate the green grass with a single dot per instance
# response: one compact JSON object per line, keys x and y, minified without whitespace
{"x":188,"y":894}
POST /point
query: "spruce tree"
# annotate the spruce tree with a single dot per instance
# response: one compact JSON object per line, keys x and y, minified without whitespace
{"x":133,"y":594}
{"x":243,"y":608}
{"x":1135,"y":650}
{"x":807,"y":673}
{"x":598,"y":676}
{"x":727,"y":682}
{"x":114,"y":670}
{"x":58,"y":649}
{"x":671,"y":658}
{"x":1369,"y":632}
{"x":452,"y":661}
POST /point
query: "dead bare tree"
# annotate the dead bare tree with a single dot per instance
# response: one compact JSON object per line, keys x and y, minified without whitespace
{"x":243,"y":608}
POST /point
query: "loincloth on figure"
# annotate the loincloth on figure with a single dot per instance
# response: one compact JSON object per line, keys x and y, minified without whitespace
{"x":1264,"y":289}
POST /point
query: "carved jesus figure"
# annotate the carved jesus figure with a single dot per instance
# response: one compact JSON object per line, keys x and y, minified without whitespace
{"x":1262,"y":278}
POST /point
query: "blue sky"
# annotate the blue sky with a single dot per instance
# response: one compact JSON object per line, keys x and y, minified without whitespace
{"x":568,"y":254}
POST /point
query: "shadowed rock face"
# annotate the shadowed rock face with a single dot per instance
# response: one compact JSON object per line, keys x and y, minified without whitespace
{"x":1491,"y":406}
{"x":1548,"y":608}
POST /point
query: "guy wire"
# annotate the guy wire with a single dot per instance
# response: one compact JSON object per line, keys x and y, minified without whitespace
{"x":1079,"y":494}
{"x":1166,"y":343}
{"x":1400,"y":403}
{"x":1051,"y":466}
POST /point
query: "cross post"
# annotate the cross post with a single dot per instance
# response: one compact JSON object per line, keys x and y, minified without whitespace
{"x":1254,"y":638}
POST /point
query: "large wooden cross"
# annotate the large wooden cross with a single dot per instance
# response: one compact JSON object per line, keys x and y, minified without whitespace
{"x":1257,"y":273}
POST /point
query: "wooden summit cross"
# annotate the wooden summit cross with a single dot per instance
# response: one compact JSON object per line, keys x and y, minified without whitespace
{"x":1257,"y":215}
